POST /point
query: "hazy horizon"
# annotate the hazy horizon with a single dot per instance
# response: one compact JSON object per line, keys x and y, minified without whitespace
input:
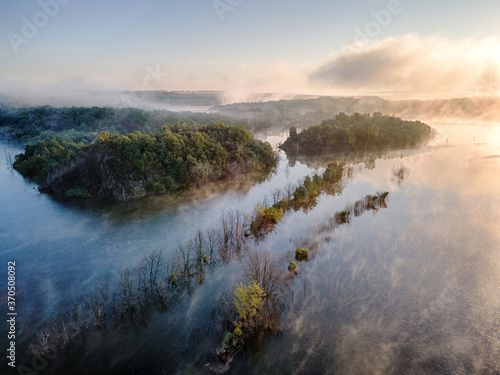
{"x":397,"y":49}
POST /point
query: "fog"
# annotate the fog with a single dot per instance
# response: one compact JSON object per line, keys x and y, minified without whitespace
{"x":412,"y":66}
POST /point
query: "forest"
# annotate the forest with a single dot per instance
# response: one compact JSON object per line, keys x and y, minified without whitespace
{"x":136,"y":164}
{"x":31,"y":124}
{"x":27,"y":125}
{"x":202,"y":148}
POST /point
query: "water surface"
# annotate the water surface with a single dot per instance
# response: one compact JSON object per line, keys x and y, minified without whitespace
{"x":413,"y":288}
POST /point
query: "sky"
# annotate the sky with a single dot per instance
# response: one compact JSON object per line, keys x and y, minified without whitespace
{"x":394,"y":48}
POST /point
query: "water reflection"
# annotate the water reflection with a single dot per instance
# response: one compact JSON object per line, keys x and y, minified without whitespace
{"x":159,"y":204}
{"x":399,"y":174}
{"x":157,"y":285}
{"x":413,"y":289}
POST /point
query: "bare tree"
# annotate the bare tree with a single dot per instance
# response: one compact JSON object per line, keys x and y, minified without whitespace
{"x":127,"y":302}
{"x":198,"y":249}
{"x":60,"y":335}
{"x":265,"y":201}
{"x":289,"y":189}
{"x":277,"y":195}
{"x":184,"y":255}
{"x":173,"y":270}
{"x":98,"y":308}
{"x":227,"y":233}
{"x":212,"y":243}
{"x":231,"y":235}
{"x":126,"y":283}
{"x":153,"y":264}
{"x":238,"y":239}
{"x":78,"y":320}
{"x":264,"y":269}
{"x":42,"y":343}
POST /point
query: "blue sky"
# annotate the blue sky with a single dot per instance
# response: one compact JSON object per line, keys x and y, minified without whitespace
{"x":257,"y":45}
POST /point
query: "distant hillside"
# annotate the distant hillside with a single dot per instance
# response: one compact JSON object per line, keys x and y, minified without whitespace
{"x":302,"y":113}
{"x":29,"y":124}
{"x":142,"y":99}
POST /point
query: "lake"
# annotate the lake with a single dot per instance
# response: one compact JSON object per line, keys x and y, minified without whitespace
{"x":413,"y":288}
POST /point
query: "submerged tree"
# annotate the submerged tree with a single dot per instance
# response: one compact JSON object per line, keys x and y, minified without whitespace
{"x":263,"y":268}
{"x":247,"y":302}
{"x":301,"y":254}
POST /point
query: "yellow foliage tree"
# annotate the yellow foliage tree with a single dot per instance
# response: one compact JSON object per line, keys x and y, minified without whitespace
{"x":247,"y":300}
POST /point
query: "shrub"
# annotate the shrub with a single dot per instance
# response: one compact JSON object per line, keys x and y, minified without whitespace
{"x":273,"y":215}
{"x":226,"y":343}
{"x":247,"y":301}
{"x":264,"y":218}
{"x":301,"y":255}
{"x":342,"y":217}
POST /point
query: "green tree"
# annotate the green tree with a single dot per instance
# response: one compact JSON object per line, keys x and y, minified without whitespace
{"x":333,"y":173}
{"x":301,"y":254}
{"x":247,"y":300}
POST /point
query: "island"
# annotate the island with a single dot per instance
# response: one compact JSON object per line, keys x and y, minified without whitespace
{"x":135,"y":165}
{"x":357,"y":133}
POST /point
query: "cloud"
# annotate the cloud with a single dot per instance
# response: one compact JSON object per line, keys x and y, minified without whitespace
{"x":413,"y":66}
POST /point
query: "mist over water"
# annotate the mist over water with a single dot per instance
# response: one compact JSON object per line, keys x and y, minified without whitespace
{"x":413,"y":288}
